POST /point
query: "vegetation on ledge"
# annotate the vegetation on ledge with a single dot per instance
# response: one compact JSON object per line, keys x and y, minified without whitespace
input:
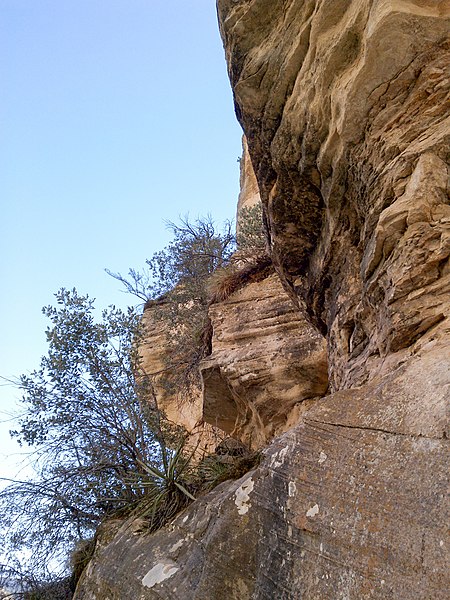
{"x":100,"y":447}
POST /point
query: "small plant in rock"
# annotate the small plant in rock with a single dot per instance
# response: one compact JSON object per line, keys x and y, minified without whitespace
{"x":250,"y":239}
{"x":183,"y":477}
{"x":80,"y":557}
{"x":167,"y":488}
{"x":235,"y":276}
{"x":250,"y":263}
{"x":216,"y":468}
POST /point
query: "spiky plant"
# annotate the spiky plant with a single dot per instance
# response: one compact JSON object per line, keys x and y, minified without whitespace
{"x":166,"y":489}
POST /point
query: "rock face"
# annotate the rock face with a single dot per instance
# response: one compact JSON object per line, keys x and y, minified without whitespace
{"x":344,"y":108}
{"x":153,"y":350}
{"x":334,"y":512}
{"x":346,"y":119}
{"x":266,"y":361}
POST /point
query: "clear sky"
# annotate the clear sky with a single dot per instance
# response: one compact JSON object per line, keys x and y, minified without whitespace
{"x":114,"y":116}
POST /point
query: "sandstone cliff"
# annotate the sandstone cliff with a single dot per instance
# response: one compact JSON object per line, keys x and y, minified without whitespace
{"x":345,"y":108}
{"x":266,"y":361}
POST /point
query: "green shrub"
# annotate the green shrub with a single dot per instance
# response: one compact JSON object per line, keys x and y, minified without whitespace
{"x":250,"y":237}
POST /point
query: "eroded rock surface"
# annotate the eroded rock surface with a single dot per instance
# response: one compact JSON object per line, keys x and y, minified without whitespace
{"x":345,"y":108}
{"x":266,"y":359}
{"x":347,"y":504}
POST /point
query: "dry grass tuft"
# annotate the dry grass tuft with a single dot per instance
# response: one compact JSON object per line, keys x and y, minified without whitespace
{"x":233,"y":277}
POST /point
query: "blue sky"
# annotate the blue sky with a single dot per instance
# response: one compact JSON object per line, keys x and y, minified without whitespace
{"x":114,"y":116}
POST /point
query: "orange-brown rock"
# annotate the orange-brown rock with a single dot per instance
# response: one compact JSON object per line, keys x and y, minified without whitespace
{"x":345,"y":107}
{"x":345,"y":110}
{"x":266,"y":359}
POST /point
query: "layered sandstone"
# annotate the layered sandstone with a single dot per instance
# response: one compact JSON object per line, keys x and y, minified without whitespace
{"x":266,"y":361}
{"x":345,"y":108}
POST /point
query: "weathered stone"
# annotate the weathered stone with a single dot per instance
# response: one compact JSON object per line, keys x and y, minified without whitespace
{"x":348,"y":504}
{"x":345,"y":109}
{"x":266,"y":358}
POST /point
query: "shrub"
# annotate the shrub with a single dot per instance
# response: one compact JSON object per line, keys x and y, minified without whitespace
{"x":200,"y":265}
{"x":100,"y":445}
{"x":92,"y":441}
{"x":174,"y":285}
{"x":167,"y":488}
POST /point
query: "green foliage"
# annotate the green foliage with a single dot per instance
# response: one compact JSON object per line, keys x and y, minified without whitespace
{"x":250,"y":238}
{"x":167,"y":489}
{"x":87,"y":429}
{"x":175,"y":284}
{"x":178,"y":272}
{"x":100,"y":447}
{"x":171,"y":489}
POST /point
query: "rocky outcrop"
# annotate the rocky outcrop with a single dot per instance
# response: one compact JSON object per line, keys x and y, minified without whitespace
{"x":346,"y":118}
{"x":344,"y":109}
{"x":266,"y":361}
{"x":249,"y":190}
{"x":181,"y":407}
{"x":335,"y":511}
